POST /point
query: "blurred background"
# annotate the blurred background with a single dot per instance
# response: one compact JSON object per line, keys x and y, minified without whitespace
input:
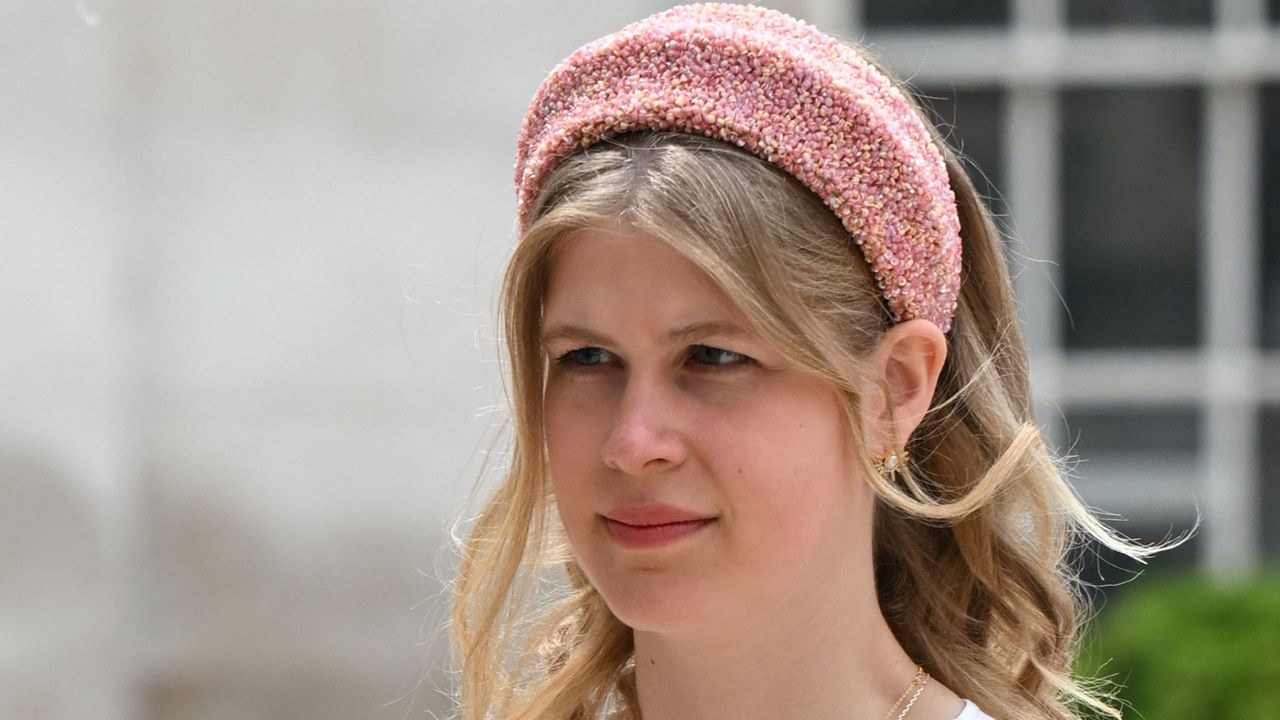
{"x":248,"y":253}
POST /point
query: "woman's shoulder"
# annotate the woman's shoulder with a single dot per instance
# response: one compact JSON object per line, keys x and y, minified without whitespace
{"x":972,"y":712}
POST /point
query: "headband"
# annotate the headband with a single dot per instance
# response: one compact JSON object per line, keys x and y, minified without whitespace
{"x":792,"y":95}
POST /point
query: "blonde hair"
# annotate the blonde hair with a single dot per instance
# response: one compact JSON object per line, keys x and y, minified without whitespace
{"x":971,"y":543}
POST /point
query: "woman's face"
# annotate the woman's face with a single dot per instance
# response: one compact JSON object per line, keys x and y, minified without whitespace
{"x":699,"y":479}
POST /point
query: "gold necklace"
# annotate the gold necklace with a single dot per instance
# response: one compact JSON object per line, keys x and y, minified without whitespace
{"x":917,"y":682}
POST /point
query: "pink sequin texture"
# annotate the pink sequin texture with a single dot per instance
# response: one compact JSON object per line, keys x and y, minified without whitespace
{"x":792,"y":95}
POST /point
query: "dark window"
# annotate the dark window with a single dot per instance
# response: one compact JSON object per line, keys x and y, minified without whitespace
{"x":1275,"y":11}
{"x":944,"y":13}
{"x":1150,"y":438}
{"x":1130,"y":217}
{"x":1094,"y":13}
{"x":972,"y":122}
{"x":1269,"y":481}
{"x":1269,"y":302}
{"x":1107,"y":574}
{"x":1128,"y":432}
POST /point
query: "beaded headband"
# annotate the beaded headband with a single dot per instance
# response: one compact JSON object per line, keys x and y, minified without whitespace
{"x":792,"y":95}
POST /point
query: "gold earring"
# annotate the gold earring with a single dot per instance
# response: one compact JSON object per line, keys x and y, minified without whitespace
{"x":889,"y":462}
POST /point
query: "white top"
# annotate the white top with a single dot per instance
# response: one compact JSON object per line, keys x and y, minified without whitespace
{"x":971,"y":712}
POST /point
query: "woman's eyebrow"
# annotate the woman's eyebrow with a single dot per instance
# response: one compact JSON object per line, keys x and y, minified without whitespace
{"x":684,"y":333}
{"x":572,"y":332}
{"x":719,"y":328}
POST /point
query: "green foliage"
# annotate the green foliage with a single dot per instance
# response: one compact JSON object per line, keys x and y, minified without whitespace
{"x":1182,"y":647}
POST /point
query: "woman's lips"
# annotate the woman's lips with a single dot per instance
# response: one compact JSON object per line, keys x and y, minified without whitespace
{"x":653,"y":513}
{"x":652,"y":536}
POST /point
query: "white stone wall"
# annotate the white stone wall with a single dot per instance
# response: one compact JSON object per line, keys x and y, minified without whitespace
{"x":247,"y":258}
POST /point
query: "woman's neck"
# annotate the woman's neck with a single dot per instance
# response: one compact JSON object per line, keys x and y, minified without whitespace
{"x":831,"y":657}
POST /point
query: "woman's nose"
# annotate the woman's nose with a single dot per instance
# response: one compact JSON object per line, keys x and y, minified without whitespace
{"x":647,"y":435}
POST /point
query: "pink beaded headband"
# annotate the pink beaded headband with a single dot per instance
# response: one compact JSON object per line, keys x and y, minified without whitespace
{"x":785,"y":91}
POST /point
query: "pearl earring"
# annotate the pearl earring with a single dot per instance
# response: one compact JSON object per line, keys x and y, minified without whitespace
{"x":889,"y":462}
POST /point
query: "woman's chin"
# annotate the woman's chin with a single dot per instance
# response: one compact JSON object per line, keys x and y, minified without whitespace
{"x":659,"y":608}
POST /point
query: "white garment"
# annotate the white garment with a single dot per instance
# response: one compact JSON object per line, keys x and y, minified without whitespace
{"x":971,"y":712}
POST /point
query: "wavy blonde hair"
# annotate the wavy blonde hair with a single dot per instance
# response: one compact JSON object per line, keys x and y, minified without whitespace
{"x":971,"y":542}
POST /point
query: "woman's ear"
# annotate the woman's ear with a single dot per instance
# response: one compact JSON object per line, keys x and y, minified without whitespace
{"x":905,"y":366}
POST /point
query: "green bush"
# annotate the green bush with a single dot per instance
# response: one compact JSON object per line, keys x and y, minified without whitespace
{"x":1186,"y":648}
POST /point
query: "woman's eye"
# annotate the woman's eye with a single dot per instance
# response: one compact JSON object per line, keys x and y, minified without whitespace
{"x":586,"y":356}
{"x":708,"y":355}
{"x":704,"y":355}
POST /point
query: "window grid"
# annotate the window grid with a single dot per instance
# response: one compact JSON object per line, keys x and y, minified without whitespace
{"x":1229,"y":466}
{"x":1228,"y":377}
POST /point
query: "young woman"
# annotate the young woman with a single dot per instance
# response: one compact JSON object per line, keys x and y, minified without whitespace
{"x":774,"y":453}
